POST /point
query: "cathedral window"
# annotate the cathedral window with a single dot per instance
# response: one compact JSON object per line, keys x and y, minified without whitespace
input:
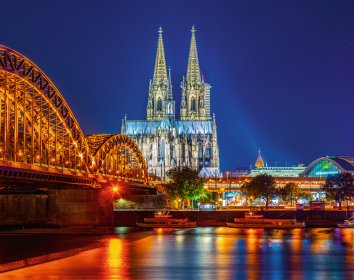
{"x":193,"y":104}
{"x":200,"y":156}
{"x":208,"y":154}
{"x":159,"y":105}
{"x":161,"y":155}
{"x":200,"y":152}
{"x":183,"y":152}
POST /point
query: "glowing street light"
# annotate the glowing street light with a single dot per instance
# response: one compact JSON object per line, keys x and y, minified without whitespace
{"x":115,"y":189}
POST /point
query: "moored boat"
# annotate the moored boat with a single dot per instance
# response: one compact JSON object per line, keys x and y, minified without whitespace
{"x":252,"y":220}
{"x":349,"y":223}
{"x":161,"y":220}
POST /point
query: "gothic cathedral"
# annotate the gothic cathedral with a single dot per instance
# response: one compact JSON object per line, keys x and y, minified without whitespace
{"x":167,"y":142}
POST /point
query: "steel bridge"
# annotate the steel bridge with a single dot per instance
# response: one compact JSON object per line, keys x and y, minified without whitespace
{"x":40,"y":138}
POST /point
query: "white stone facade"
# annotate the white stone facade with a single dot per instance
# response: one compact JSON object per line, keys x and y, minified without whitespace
{"x":166,"y":142}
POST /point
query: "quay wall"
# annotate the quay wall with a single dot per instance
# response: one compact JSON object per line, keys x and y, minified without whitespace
{"x":57,"y":207}
{"x":220,"y":217}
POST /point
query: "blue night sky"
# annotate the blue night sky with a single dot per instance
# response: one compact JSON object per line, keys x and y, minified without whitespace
{"x":282,"y":72}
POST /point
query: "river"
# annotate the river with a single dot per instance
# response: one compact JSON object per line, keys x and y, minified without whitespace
{"x":207,"y":253}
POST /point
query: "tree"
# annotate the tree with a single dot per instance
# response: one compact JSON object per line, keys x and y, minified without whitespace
{"x":305,"y":195}
{"x":185,"y":183}
{"x":261,"y":186}
{"x":339,"y":187}
{"x":290,"y":192}
{"x":250,"y":190}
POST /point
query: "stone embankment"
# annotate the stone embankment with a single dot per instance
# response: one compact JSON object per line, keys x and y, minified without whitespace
{"x":328,"y":218}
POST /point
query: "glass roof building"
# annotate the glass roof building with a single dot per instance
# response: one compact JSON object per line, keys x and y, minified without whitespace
{"x":330,"y":165}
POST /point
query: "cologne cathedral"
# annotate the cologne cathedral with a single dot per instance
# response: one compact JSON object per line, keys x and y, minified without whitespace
{"x":166,"y":141}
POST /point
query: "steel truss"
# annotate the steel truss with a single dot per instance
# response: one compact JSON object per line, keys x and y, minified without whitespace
{"x":38,"y":127}
{"x":117,"y":155}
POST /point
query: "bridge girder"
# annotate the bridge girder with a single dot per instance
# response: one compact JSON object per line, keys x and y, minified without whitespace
{"x":38,"y":127}
{"x":117,"y":155}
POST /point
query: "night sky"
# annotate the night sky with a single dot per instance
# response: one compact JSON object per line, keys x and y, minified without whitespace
{"x":282,"y":72}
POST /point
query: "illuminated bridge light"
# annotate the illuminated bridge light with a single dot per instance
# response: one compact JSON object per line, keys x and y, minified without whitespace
{"x":62,"y":135}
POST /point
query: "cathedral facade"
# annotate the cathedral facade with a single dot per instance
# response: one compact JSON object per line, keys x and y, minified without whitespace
{"x":166,"y":141}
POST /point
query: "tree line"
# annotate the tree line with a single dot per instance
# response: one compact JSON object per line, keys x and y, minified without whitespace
{"x":185,"y":184}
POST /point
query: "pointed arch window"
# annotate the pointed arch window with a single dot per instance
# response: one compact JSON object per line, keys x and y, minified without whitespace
{"x":159,"y":105}
{"x":193,"y":104}
{"x":200,"y":156}
{"x":161,"y":155}
{"x":183,"y":152}
{"x":208,"y":155}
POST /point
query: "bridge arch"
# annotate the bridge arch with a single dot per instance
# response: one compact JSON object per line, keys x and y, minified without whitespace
{"x":37,"y":126}
{"x":117,"y":155}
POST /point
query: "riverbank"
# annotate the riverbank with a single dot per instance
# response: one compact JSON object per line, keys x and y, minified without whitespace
{"x":21,"y":247}
{"x":328,"y":218}
{"x":29,"y":247}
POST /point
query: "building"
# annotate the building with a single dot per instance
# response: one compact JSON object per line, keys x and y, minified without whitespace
{"x":279,"y":171}
{"x":310,"y":179}
{"x":259,"y":161}
{"x":275,"y":171}
{"x":166,"y":141}
{"x":330,"y":165}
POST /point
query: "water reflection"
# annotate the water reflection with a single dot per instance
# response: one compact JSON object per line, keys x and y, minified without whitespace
{"x":209,"y":253}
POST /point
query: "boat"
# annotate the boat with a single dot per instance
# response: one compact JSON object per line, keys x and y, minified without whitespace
{"x":165,"y":220}
{"x":349,"y":223}
{"x":252,"y":220}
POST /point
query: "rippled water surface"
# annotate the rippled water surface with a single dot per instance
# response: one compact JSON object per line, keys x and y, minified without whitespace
{"x":208,"y":253}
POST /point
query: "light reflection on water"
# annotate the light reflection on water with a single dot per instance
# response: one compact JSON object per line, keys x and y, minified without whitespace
{"x":209,"y":253}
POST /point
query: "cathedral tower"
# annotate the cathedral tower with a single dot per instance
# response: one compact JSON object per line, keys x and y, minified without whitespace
{"x":166,"y":142}
{"x":160,"y":101}
{"x":195,"y":102}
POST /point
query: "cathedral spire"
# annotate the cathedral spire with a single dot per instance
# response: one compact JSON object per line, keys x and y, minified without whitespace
{"x":160,"y":101}
{"x":160,"y":72}
{"x":193,"y":70}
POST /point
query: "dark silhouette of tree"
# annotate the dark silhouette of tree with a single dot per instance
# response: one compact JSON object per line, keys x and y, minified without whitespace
{"x":339,"y":187}
{"x":305,"y":195}
{"x":250,"y":190}
{"x":185,"y":183}
{"x":290,"y":192}
{"x":261,"y":186}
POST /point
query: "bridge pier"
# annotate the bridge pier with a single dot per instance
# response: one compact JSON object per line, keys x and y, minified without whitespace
{"x":64,"y":207}
{"x":79,"y":207}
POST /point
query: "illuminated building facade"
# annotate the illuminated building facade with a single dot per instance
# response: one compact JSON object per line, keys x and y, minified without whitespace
{"x":259,"y":161}
{"x":278,"y":171}
{"x":165,"y":141}
{"x":275,"y":171}
{"x":330,"y":165}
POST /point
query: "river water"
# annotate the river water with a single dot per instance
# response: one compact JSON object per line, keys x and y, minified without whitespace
{"x":208,"y":253}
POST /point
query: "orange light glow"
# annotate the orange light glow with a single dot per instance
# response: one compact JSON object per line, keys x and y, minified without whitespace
{"x":115,"y":251}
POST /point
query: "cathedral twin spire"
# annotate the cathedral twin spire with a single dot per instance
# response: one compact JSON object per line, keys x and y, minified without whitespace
{"x":193,"y":70}
{"x":195,"y":103}
{"x":160,"y":71}
{"x":160,"y":102}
